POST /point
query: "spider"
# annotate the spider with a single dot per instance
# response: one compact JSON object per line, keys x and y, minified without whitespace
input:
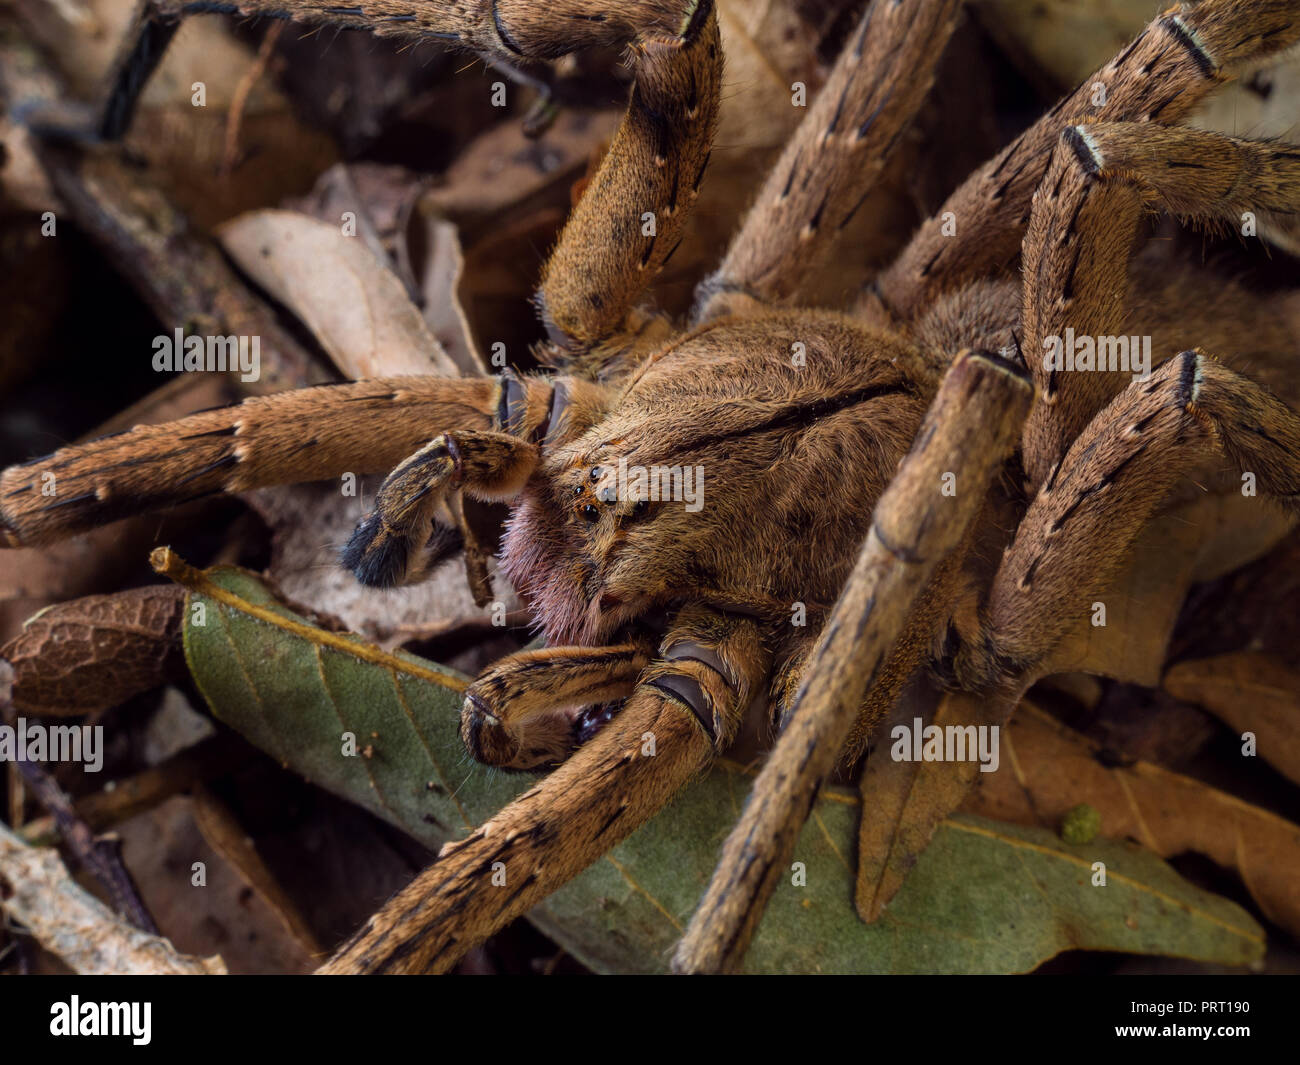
{"x":858,"y":462}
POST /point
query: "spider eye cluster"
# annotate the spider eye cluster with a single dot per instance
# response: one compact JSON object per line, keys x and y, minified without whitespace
{"x":591,"y":496}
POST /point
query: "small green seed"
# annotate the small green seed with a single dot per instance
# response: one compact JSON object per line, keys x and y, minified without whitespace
{"x":1081,"y":824}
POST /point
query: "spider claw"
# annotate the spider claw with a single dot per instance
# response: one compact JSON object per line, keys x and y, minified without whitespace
{"x":594,"y":718}
{"x":544,"y":742}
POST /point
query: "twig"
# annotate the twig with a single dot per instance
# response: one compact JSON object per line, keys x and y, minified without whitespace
{"x":100,"y":855}
{"x":235,"y":117}
{"x":180,"y":273}
{"x":36,"y":891}
{"x":221,"y":829}
{"x":206,"y":760}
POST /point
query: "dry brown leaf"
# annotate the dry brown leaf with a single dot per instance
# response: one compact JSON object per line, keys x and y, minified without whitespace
{"x":94,"y":653}
{"x":904,"y":802}
{"x":1197,"y":539}
{"x":503,"y":168}
{"x":37,"y":892}
{"x":377,"y":212}
{"x":438,"y":265}
{"x":419,"y":246}
{"x":1047,"y":769}
{"x":355,"y":306}
{"x":228,"y":838}
{"x":219,"y":914}
{"x":1250,"y":692}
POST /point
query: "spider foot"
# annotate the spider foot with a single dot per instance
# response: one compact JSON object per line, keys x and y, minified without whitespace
{"x":545,"y":739}
{"x":534,"y":709}
{"x":402,"y":539}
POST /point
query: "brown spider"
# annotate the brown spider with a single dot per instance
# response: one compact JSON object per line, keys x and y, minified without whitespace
{"x":853,"y":460}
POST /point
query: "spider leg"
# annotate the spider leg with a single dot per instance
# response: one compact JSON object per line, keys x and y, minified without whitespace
{"x":687,"y":706}
{"x":836,"y":154}
{"x":391,"y":545}
{"x":1082,"y":227}
{"x":1079,"y":528}
{"x":514,"y":714}
{"x":969,"y":431}
{"x":502,"y":32}
{"x":1105,"y":449}
{"x":909,"y":652}
{"x":303,"y":435}
{"x":1182,"y":56}
{"x":633,"y":214}
{"x":403,"y":537}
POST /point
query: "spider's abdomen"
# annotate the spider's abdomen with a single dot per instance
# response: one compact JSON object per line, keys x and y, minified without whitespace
{"x":739,"y":466}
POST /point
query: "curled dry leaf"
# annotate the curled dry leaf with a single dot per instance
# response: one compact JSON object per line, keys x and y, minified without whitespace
{"x":433,"y":252}
{"x":354,"y":305}
{"x":1249,"y":692}
{"x":67,"y":921}
{"x":905,"y":802}
{"x":1047,"y":769}
{"x":94,"y":653}
{"x":419,"y":246}
{"x":1197,"y":538}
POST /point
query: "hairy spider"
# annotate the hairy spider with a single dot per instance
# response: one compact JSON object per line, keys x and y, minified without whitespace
{"x":855,"y":461}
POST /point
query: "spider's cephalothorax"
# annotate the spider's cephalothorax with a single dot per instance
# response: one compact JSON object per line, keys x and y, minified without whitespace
{"x":851,"y":496}
{"x":623,"y":516}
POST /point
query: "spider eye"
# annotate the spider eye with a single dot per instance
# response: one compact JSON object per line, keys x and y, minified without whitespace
{"x":640,"y":507}
{"x":591,"y":512}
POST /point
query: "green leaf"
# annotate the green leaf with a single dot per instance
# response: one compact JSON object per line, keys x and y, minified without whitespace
{"x":984,"y":897}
